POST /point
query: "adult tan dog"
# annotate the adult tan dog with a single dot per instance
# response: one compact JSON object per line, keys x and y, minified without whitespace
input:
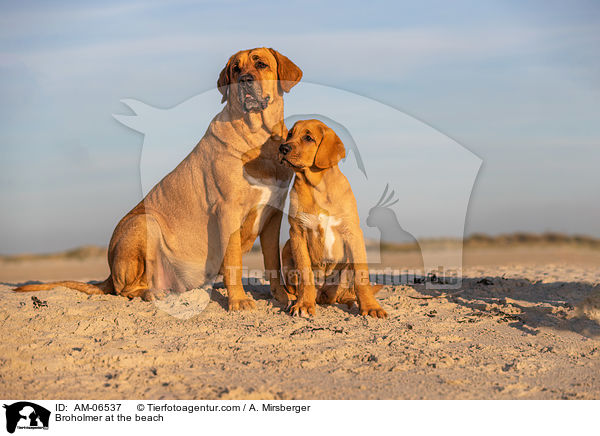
{"x":325,"y":235}
{"x":200,"y":218}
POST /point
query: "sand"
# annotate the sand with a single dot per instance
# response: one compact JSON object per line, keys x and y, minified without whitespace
{"x":525,"y":324}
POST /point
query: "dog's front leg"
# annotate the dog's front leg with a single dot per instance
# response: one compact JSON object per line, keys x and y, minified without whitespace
{"x":269,"y":243}
{"x":367,"y":304}
{"x":307,"y":293}
{"x":232,"y":263}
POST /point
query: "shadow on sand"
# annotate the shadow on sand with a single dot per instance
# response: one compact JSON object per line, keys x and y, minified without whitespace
{"x":521,"y":303}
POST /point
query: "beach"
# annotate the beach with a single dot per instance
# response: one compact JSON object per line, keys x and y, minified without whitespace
{"x":524,"y":324}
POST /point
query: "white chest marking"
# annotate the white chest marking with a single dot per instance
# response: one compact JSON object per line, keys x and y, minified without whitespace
{"x":271,"y":193}
{"x":324,"y":222}
{"x":328,"y":223}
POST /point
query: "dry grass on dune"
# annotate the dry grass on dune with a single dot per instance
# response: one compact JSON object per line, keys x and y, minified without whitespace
{"x":78,"y":253}
{"x":510,"y":240}
{"x":476,"y":240}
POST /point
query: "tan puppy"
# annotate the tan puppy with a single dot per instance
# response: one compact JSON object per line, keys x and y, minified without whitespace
{"x":325,"y":260}
{"x":199,"y":219}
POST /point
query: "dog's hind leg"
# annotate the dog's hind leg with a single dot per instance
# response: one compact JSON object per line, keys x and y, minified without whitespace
{"x":135,"y":255}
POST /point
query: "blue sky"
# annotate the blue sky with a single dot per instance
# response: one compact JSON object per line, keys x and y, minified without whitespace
{"x":517,"y":83}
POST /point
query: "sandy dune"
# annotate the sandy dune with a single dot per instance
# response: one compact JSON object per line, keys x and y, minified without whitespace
{"x":511,"y":331}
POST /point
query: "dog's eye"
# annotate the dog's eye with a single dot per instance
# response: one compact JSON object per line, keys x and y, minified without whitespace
{"x":236,"y":68}
{"x":308,"y":138}
{"x":289,"y":135}
{"x":260,"y":65}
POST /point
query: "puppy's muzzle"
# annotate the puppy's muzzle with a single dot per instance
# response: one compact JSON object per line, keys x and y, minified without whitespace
{"x":285,"y":149}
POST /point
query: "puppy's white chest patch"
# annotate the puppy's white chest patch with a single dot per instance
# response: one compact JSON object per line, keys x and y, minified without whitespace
{"x":325,"y":224}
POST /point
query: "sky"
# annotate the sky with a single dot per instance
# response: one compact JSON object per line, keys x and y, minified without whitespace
{"x":515,"y":83}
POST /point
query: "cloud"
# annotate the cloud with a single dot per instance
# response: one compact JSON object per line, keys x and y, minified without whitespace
{"x":355,"y":53}
{"x":354,"y":45}
{"x":513,"y":89}
{"x":13,"y":19}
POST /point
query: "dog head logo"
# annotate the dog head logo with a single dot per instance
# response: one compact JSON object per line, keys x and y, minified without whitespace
{"x":26,"y":415}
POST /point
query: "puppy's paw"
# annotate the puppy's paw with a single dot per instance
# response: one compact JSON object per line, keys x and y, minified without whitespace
{"x":153,"y":294}
{"x":303,"y":308}
{"x":244,"y":303}
{"x":281,"y":294}
{"x":374,"y":311}
{"x":323,"y":298}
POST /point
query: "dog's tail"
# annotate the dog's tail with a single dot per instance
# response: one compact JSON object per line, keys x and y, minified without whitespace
{"x":376,"y":288}
{"x":106,"y":287}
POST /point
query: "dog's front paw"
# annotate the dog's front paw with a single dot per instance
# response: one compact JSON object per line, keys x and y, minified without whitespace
{"x":244,"y":303}
{"x":304,"y":308}
{"x":376,"y":311}
{"x":154,"y":294}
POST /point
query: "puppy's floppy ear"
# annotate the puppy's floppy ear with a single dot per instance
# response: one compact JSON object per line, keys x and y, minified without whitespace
{"x":288,"y":73}
{"x":331,"y":149}
{"x":224,"y":81}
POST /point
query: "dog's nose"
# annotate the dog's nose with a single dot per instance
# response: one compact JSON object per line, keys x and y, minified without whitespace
{"x":246,"y":78}
{"x":285,"y":148}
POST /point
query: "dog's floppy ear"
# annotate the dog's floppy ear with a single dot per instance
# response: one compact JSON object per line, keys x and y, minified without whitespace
{"x":288,"y":73}
{"x":331,"y":150}
{"x":224,"y":81}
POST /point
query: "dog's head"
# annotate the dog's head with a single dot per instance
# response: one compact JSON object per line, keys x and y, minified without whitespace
{"x":253,"y":79}
{"x":313,"y":145}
